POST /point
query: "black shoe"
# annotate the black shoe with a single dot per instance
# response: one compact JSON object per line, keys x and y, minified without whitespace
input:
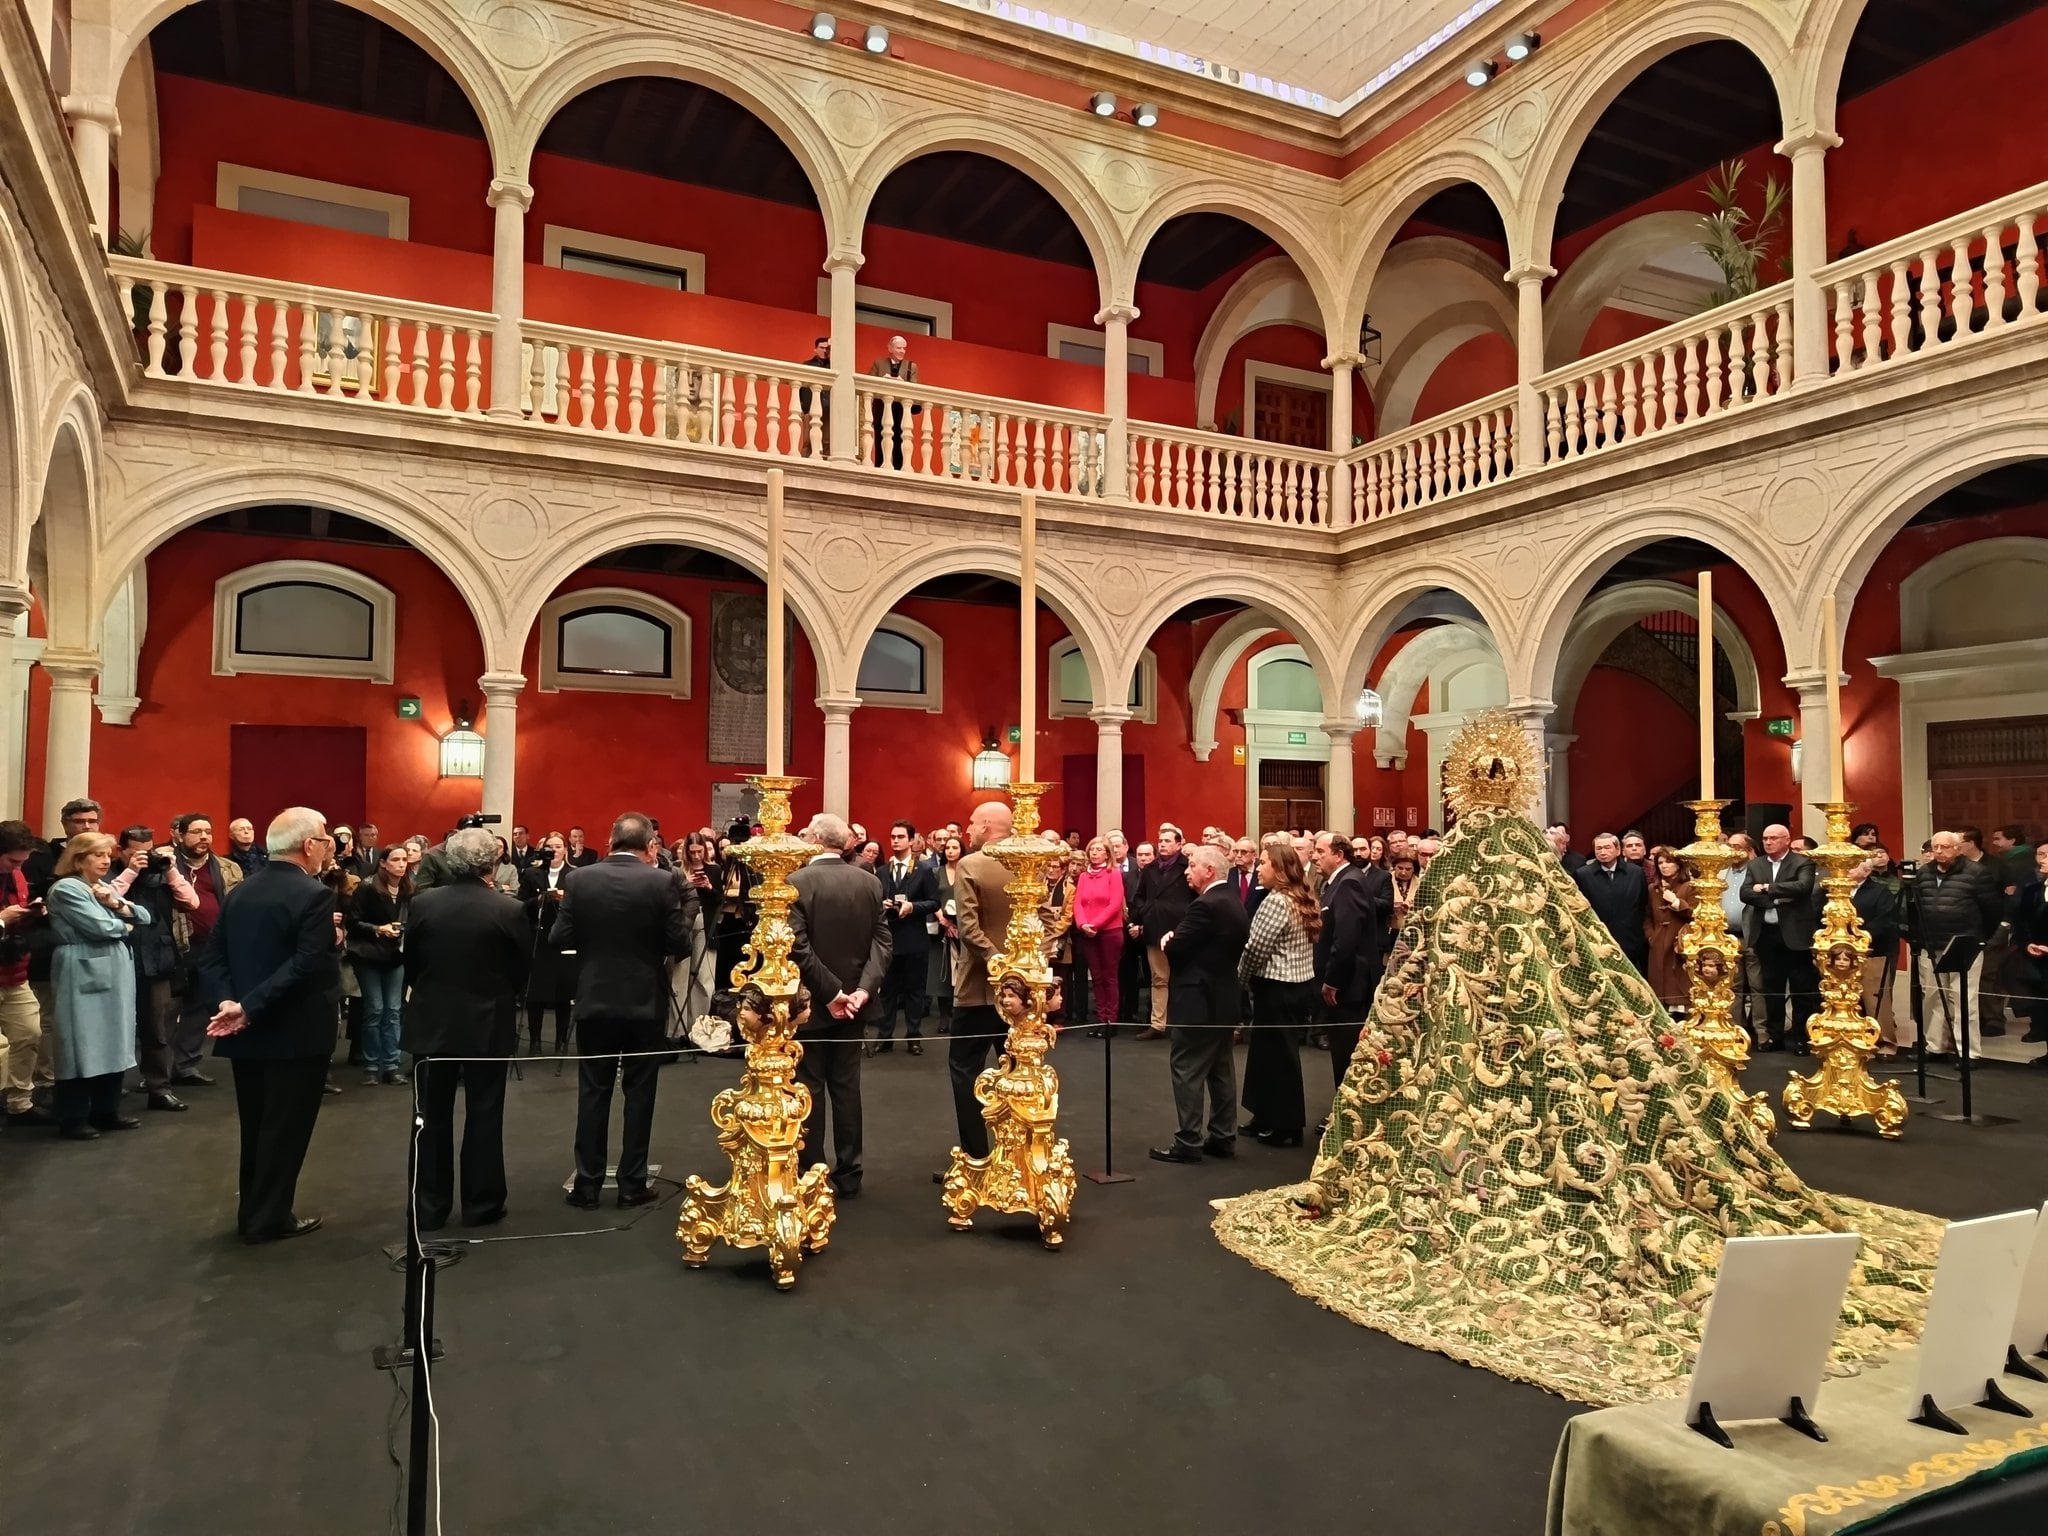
{"x":1175,"y":1154}
{"x":489,"y":1218}
{"x":1098,"y":1033}
{"x":582,"y":1199}
{"x":164,"y":1100}
{"x":2038,"y":1061}
{"x":1769,"y":1046}
{"x":883,"y":1047}
{"x":29,"y":1119}
{"x":846,"y":1189}
{"x":1149,"y":1033}
{"x":299,"y":1227}
{"x":1801,"y":1048}
{"x":1993,"y":1030}
{"x":397,"y":1077}
{"x":1215,"y":1148}
{"x":77,"y":1130}
{"x":628,"y":1199}
{"x":1278,"y":1138}
{"x":915,"y":1047}
{"x":192,"y":1080}
{"x":117,"y":1123}
{"x":2035,"y":1035}
{"x":329,"y":1088}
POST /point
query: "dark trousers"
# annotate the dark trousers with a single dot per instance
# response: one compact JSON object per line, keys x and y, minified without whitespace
{"x":1341,"y":1029}
{"x":75,"y":1100}
{"x":607,"y":1039}
{"x":903,"y":987}
{"x":550,"y":984}
{"x":1131,"y":973}
{"x":1281,"y":1011}
{"x":483,"y":1140}
{"x":188,"y":1041}
{"x":977,"y":1032}
{"x":1785,"y":968}
{"x":1102,"y":957}
{"x":156,"y":1031}
{"x":831,"y":1070}
{"x":277,"y":1103}
{"x":1200,"y":1059}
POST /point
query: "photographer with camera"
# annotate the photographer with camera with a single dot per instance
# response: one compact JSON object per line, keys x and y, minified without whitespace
{"x":148,"y":876}
{"x":433,"y":866}
{"x":211,"y":878}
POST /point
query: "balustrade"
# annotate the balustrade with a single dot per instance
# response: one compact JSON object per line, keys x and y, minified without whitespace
{"x":1442,"y":457}
{"x":941,"y":434}
{"x":1210,"y":472}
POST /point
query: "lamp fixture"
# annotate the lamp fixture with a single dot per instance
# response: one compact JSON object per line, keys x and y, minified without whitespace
{"x":991,"y":765}
{"x":1369,"y":342}
{"x":1370,"y":711}
{"x":824,"y":26}
{"x":1102,"y":104}
{"x":1145,"y":114}
{"x":875,"y":39}
{"x":1521,"y":45}
{"x":1479,"y":72}
{"x":462,"y":750}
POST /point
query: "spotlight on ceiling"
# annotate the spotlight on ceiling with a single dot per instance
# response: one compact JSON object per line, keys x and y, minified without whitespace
{"x":1102,"y":104}
{"x":1522,"y":44}
{"x":824,"y":26}
{"x":875,"y":39}
{"x":1145,"y":115}
{"x":1478,"y":72}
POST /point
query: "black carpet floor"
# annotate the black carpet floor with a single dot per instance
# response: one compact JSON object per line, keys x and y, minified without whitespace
{"x":158,"y":1377}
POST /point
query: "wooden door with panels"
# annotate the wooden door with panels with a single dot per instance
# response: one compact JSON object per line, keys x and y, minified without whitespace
{"x":1984,"y":773}
{"x":1290,"y":415}
{"x":1290,"y":795}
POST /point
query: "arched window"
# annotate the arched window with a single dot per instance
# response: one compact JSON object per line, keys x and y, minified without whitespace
{"x":1068,"y":691}
{"x":1286,"y":683}
{"x":903,"y":667}
{"x":614,"y":640}
{"x":303,"y":618}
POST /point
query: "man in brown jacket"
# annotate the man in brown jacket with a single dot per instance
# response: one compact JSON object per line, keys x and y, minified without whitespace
{"x":982,"y":906}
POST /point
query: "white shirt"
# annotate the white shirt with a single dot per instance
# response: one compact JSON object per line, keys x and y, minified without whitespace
{"x":1771,"y":911}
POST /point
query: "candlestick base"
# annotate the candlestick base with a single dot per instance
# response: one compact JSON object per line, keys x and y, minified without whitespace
{"x":769,"y":1200}
{"x":1713,"y":959}
{"x":1841,"y":1034}
{"x":1028,"y":1168}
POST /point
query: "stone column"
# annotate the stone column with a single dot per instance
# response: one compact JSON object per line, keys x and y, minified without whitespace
{"x":501,"y":741}
{"x":14,"y":602}
{"x":1109,"y":770}
{"x":1815,"y":767}
{"x":843,"y":441}
{"x":93,"y":121}
{"x":838,"y":775}
{"x":1808,"y":153}
{"x":67,"y":764}
{"x":1341,"y":365}
{"x":1558,"y":790}
{"x":1339,"y":813}
{"x":509,"y":201}
{"x":1534,"y":715}
{"x":1528,"y":279}
{"x":1116,"y":400}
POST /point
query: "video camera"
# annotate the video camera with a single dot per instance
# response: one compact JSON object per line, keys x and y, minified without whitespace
{"x":477,"y":819}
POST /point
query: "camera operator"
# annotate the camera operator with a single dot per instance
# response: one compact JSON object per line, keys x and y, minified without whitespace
{"x":433,"y":865}
{"x":149,"y":878}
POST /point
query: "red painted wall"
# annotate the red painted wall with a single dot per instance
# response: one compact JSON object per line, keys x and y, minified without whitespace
{"x":1633,"y":745}
{"x":1475,"y":369}
{"x":1290,"y":346}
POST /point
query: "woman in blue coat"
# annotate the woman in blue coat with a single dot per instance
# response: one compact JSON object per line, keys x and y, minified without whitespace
{"x":93,"y":980}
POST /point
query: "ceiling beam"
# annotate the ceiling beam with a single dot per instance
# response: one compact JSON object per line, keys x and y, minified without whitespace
{"x":230,"y":42}
{"x":373,"y":43}
{"x":619,"y":135}
{"x":1640,"y":146}
{"x":679,"y":130}
{"x":1181,"y":263}
{"x":302,"y":51}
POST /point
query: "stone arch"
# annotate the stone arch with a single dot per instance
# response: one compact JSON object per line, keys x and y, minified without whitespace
{"x":1826,"y":32}
{"x":1299,"y":236}
{"x":1611,"y":69}
{"x":2015,"y":560}
{"x":1220,"y":656}
{"x":1474,"y":601}
{"x":1609,"y":613}
{"x":1281,"y":604}
{"x":191,"y":498}
{"x":1571,"y":307}
{"x":437,"y":28}
{"x":1394,"y":205}
{"x":1057,"y":589}
{"x":1410,"y":671}
{"x":1020,"y":149}
{"x":66,"y":515}
{"x":16,"y":516}
{"x":1445,"y":323}
{"x":1270,"y":292}
{"x":621,"y":55}
{"x":1534,"y":664}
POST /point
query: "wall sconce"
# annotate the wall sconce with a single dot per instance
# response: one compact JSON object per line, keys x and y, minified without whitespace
{"x":1371,"y":712}
{"x":462,"y":750}
{"x":991,"y":765}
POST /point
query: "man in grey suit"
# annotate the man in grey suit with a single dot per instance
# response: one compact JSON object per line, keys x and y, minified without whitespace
{"x":1203,"y":1007}
{"x":1781,"y":909}
{"x":842,"y":952}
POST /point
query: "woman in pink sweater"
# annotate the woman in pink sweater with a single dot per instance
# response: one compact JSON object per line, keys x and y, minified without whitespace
{"x":1099,"y":930}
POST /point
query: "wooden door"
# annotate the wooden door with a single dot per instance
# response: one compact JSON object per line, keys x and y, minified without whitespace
{"x":1290,"y":414}
{"x":1983,"y":773}
{"x":1290,"y":796}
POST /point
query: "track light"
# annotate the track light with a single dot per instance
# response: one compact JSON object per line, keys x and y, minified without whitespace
{"x":1521,"y":45}
{"x":1102,"y":104}
{"x":1145,"y":115}
{"x":1479,"y":72}
{"x":824,"y":26}
{"x":875,"y":39}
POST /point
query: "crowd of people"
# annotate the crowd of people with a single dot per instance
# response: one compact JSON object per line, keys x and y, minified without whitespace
{"x":122,"y":953}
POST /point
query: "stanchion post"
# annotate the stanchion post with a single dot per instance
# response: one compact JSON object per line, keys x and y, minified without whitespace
{"x":417,"y":1346}
{"x":1108,"y":1175}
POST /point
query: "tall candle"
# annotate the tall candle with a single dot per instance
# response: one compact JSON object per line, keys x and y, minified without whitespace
{"x":775,"y":622}
{"x":1831,"y":658}
{"x":1706,"y":685}
{"x":1027,"y":645}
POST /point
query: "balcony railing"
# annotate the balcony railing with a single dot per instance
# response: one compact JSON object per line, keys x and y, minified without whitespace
{"x":1443,"y":457}
{"x":1190,"y":471}
{"x":942,"y":434}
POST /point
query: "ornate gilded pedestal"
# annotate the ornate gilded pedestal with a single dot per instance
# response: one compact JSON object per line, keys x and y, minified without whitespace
{"x":1713,"y":957}
{"x":1027,"y":1167}
{"x":1841,"y":1035}
{"x":767,"y":1201}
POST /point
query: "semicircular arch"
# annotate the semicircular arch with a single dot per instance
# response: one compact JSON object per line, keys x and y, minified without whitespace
{"x":1589,"y":282}
{"x":1269,"y":292}
{"x":1280,"y":603}
{"x":1608,"y":614}
{"x":67,"y":514}
{"x":1376,"y":621}
{"x":1393,"y":205}
{"x":1297,"y":235}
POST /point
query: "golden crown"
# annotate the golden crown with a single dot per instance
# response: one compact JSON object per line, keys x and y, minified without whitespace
{"x":1491,"y":764}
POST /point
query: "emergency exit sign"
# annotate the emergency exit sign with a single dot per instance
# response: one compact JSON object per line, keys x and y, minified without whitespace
{"x":1778,"y":725}
{"x":1297,"y":738}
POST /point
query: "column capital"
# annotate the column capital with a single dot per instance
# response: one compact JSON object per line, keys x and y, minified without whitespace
{"x":1808,"y":141}
{"x":504,"y":190}
{"x":1337,"y":360}
{"x":1529,"y":272}
{"x":92,"y":109}
{"x":1342,"y":727}
{"x":1531,"y":709}
{"x":1119,"y":313}
{"x":71,"y":670}
{"x":117,"y":709}
{"x":1811,"y":684}
{"x":1108,"y":718}
{"x":502,"y":687}
{"x":15,"y":600}
{"x":838,"y":706}
{"x":844,"y":261}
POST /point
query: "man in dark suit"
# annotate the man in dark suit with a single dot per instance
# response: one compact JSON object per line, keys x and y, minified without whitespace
{"x":624,"y":918}
{"x":1781,"y":902}
{"x":1620,"y":898}
{"x":842,"y":950}
{"x":1163,"y":895}
{"x":466,"y":953}
{"x":910,"y":894}
{"x":1244,"y":874}
{"x":273,"y":964}
{"x":1203,"y":949}
{"x":1358,"y":905}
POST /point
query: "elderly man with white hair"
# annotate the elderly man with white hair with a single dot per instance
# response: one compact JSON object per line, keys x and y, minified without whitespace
{"x":842,"y":950}
{"x":1956,"y":904}
{"x":1204,"y":1006}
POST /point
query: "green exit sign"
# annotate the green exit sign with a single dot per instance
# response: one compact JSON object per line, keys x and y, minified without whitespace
{"x":1778,"y":725}
{"x":1016,"y":734}
{"x":1297,"y":738}
{"x":408,"y":709}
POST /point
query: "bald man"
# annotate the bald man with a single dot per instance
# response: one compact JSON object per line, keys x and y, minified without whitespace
{"x":1781,"y":898}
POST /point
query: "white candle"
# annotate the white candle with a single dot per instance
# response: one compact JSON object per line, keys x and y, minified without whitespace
{"x":775,"y":623}
{"x":1831,"y":658}
{"x":1027,"y":645}
{"x":1706,"y":685}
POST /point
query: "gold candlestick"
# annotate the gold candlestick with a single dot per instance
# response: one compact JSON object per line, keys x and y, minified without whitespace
{"x":1841,"y":1035}
{"x":1713,"y":956}
{"x":767,"y":1201}
{"x":1027,"y":1168}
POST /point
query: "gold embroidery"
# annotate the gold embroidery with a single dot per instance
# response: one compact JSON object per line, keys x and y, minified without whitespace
{"x":1890,"y":1488}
